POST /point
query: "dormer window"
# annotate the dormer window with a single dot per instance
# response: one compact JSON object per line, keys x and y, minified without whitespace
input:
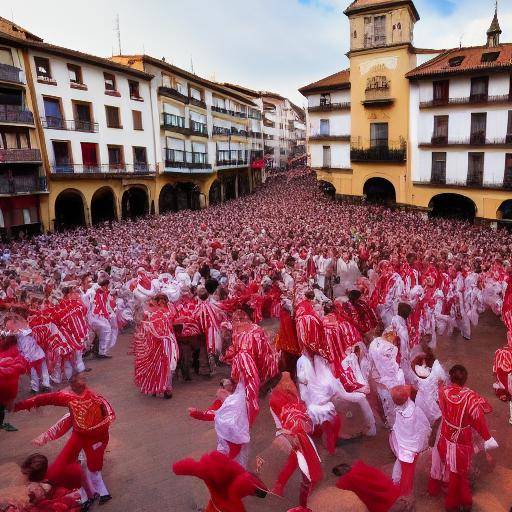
{"x":490,"y":57}
{"x":455,"y":62}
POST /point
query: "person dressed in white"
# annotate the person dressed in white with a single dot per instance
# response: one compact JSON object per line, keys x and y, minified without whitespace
{"x":399,"y":325}
{"x":101,"y":319}
{"x":386,"y":373}
{"x":409,"y":437}
{"x":323,"y":263}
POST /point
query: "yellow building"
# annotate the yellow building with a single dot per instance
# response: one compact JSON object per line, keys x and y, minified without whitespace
{"x":381,"y":105}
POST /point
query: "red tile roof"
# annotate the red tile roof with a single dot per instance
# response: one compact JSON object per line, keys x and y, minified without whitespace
{"x":472,"y":62}
{"x":366,"y":5}
{"x":338,"y":81}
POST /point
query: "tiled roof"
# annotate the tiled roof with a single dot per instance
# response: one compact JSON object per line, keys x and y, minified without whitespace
{"x":472,"y":61}
{"x":364,"y":5}
{"x":340,"y":80}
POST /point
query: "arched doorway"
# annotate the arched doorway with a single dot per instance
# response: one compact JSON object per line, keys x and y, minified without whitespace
{"x":452,"y":206}
{"x":103,"y":206}
{"x":243,"y":185}
{"x":167,"y":201}
{"x":215,"y":196}
{"x":379,"y":191}
{"x":229,"y":188}
{"x":187,"y":196}
{"x":327,"y":188}
{"x":504,"y":215}
{"x":69,"y":210}
{"x":135,"y":203}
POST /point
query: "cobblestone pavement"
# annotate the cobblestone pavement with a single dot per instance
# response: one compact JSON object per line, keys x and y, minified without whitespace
{"x":150,"y":433}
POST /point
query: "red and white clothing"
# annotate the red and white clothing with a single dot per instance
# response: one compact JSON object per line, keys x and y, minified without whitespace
{"x":502,"y":369}
{"x":34,"y":355}
{"x":103,"y":319}
{"x":210,"y":316}
{"x":385,"y":298}
{"x":310,"y":329}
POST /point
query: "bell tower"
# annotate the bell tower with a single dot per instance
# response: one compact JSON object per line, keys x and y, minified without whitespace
{"x":494,"y":32}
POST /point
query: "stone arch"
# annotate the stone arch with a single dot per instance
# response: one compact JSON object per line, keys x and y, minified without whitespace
{"x":215,"y":193}
{"x":103,"y":205}
{"x":167,"y":199}
{"x":229,"y":183}
{"x":452,"y":206}
{"x":379,"y":190}
{"x":70,"y":207}
{"x":135,"y":202}
{"x":327,"y":188}
{"x":244,"y":186}
{"x":504,"y":212}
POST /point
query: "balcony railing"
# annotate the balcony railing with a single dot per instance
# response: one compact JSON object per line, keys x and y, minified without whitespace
{"x":10,"y":156}
{"x":232,"y":158}
{"x":139,"y":168}
{"x":57,"y":123}
{"x":11,"y":74}
{"x":477,"y":140}
{"x":198,"y":128}
{"x":16,"y":115}
{"x":438,"y":175}
{"x":169,"y":92}
{"x":328,"y":107}
{"x":468,"y":100}
{"x":239,"y":133}
{"x":22,"y":185}
{"x":175,"y":123}
{"x":329,"y":136}
{"x":178,"y":159}
{"x":221,"y":130}
{"x":234,"y":113}
{"x":255,"y":135}
{"x":379,"y":152}
{"x":378,"y":96}
{"x":197,"y":103}
{"x":255,"y":115}
{"x":480,"y":184}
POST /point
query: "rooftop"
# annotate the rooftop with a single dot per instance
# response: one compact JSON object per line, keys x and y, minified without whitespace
{"x":358,"y":6}
{"x":337,"y":81}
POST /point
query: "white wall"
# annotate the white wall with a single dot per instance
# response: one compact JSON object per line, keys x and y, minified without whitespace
{"x":339,"y":122}
{"x":336,"y":97}
{"x":340,"y":154}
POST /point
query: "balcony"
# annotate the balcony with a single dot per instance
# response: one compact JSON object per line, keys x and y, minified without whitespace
{"x":379,"y":151}
{"x":255,"y":115}
{"x":475,"y":99}
{"x":169,"y":92}
{"x":236,"y":132}
{"x":106,"y":170}
{"x":13,"y":114}
{"x":186,"y":161}
{"x":11,"y":74}
{"x":197,"y":103}
{"x":174,"y":123}
{"x":233,"y":158}
{"x":255,"y":135}
{"x":221,"y":130}
{"x":233,"y":113}
{"x":200,"y":129}
{"x":378,"y":97}
{"x":25,"y":155}
{"x":12,"y":185}
{"x":330,"y":107}
{"x":57,"y":123}
{"x":474,"y":140}
{"x":476,"y":184}
{"x":267,"y":136}
{"x":329,"y":137}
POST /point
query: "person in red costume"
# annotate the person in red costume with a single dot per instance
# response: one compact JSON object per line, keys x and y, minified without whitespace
{"x":294,"y":427}
{"x":12,"y":366}
{"x":286,"y":340}
{"x":506,"y":310}
{"x":463,"y":411}
{"x":91,"y":416}
{"x":360,"y":313}
{"x":227,"y":481}
{"x":310,"y":329}
{"x":374,"y":488}
{"x":502,"y":370}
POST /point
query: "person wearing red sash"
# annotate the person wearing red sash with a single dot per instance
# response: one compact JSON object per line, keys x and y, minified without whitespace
{"x":359,"y":312}
{"x":463,"y":411}
{"x":310,"y":329}
{"x":502,"y":370}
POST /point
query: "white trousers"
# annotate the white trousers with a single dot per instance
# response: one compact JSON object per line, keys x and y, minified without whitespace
{"x":39,"y":378}
{"x":103,"y":329}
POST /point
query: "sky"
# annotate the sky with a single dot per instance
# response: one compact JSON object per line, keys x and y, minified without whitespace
{"x":276,"y":45}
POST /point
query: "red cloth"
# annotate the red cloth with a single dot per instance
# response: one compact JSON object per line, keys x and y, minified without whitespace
{"x":502,"y":368}
{"x":310,"y":330}
{"x":208,"y":414}
{"x":10,"y":370}
{"x":70,"y":316}
{"x":286,"y":339}
{"x":375,"y":489}
{"x":101,"y":303}
{"x":506,"y":311}
{"x":227,"y":481}
{"x":360,"y":314}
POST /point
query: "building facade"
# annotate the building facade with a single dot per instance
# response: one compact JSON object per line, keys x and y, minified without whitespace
{"x":426,"y":128}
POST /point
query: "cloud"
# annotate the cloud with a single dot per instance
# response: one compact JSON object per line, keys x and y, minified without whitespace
{"x":277,"y":45}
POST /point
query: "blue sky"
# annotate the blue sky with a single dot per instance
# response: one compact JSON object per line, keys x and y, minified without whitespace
{"x":278,"y":45}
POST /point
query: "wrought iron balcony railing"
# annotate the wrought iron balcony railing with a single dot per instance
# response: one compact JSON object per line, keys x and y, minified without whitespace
{"x":379,"y":151}
{"x":11,"y":74}
{"x":25,"y":155}
{"x":75,"y":125}
{"x":22,"y":185}
{"x":178,"y":159}
{"x":16,"y":115}
{"x":138,"y":168}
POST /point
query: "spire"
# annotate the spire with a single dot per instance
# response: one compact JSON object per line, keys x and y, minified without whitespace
{"x":493,"y":34}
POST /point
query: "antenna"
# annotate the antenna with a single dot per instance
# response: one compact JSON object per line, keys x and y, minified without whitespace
{"x":192,"y":65}
{"x":118,"y":33}
{"x":460,"y":40}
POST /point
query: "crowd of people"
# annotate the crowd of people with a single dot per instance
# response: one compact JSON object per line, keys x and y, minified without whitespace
{"x":361,"y":293}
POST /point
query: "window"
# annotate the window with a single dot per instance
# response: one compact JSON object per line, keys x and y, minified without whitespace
{"x":441,"y":91}
{"x":18,"y":139}
{"x":43,"y":71}
{"x":195,"y":94}
{"x":475,"y":169}
{"x":374,"y":31}
{"x":324,"y":127}
{"x":134,"y":90}
{"x":455,"y":62}
{"x":6,"y":56}
{"x":325,"y":99}
{"x":509,"y":127}
{"x":62,"y":155}
{"x":89,"y":156}
{"x":507,"y":178}
{"x":110,"y":82}
{"x":137,"y":119}
{"x":75,"y":74}
{"x":379,"y":135}
{"x":83,"y":117}
{"x":478,"y":128}
{"x":113,"y":117}
{"x":26,"y":216}
{"x":440,"y":135}
{"x":140,"y":159}
{"x":53,"y":113}
{"x":479,"y":89}
{"x":438,"y":174}
{"x":326,"y":156}
{"x":490,"y":56}
{"x":115,"y":157}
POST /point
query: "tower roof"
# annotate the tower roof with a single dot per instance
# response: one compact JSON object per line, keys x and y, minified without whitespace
{"x":358,"y":6}
{"x":495,"y":24}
